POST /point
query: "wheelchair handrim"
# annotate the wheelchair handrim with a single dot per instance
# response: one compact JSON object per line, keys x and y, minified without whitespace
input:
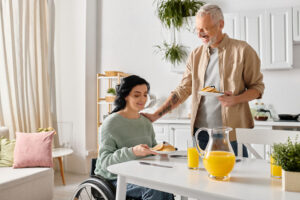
{"x":82,"y":186}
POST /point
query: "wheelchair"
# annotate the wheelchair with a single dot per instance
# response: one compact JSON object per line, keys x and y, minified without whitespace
{"x":96,"y":188}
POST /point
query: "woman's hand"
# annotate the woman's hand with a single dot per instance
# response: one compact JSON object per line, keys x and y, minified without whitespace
{"x":142,"y":150}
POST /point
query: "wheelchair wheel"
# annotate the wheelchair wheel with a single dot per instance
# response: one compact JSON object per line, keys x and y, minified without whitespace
{"x":93,"y":189}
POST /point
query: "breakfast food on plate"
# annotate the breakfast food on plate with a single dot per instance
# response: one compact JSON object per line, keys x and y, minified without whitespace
{"x":210,"y":89}
{"x":165,"y":146}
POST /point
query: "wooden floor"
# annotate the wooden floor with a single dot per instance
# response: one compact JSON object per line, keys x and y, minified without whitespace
{"x":65,"y":192}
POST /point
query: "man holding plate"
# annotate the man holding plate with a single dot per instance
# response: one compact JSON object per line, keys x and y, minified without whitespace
{"x":231,"y":66}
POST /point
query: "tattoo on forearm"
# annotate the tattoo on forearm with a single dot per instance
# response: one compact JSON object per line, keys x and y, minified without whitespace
{"x":174,"y":99}
{"x":168,"y":108}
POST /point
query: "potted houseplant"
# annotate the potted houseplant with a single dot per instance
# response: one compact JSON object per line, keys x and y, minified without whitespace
{"x":174,"y":53}
{"x":173,"y":14}
{"x":110,"y":95}
{"x":287,"y":155}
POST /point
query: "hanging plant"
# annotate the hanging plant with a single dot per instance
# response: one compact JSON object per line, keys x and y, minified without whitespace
{"x":173,"y":15}
{"x":174,"y":53}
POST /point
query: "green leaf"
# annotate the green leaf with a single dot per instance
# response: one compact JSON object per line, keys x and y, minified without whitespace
{"x":174,"y":13}
{"x":174,"y":53}
{"x":111,"y":91}
{"x":287,"y":155}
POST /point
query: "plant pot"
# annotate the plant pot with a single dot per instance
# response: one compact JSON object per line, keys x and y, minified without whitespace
{"x":110,"y":98}
{"x":291,"y":181}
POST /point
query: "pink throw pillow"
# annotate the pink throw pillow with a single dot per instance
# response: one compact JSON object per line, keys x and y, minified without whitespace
{"x":33,"y":150}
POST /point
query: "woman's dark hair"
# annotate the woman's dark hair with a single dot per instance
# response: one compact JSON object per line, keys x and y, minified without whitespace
{"x":124,"y":88}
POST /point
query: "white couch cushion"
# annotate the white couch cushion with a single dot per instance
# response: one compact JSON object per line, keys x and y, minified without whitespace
{"x":26,"y":183}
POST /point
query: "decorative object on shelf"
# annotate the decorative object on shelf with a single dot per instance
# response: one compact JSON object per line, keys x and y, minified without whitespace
{"x":173,"y":14}
{"x":287,"y":155}
{"x":112,"y":73}
{"x":110,"y":95}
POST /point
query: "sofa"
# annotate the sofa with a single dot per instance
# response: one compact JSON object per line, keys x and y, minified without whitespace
{"x":25,"y":183}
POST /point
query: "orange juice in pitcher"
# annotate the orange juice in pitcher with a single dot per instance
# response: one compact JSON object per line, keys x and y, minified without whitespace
{"x":219,"y":158}
{"x":219,"y":163}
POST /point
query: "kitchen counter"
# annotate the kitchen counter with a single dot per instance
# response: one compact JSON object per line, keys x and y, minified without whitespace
{"x":173,"y":121}
{"x":276,"y":123}
{"x":269,"y":123}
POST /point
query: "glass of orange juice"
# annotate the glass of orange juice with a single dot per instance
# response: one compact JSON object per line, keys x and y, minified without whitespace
{"x":192,"y":155}
{"x":275,"y":169}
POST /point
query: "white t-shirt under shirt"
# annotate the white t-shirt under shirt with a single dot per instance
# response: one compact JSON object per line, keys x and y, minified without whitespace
{"x":209,"y":110}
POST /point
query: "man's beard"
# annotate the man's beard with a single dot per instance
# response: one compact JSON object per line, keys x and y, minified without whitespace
{"x":212,"y":41}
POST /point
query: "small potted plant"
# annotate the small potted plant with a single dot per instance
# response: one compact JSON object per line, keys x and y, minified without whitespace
{"x":110,"y":95}
{"x":287,"y":155}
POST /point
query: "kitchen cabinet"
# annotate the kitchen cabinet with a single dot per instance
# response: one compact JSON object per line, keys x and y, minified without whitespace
{"x":296,"y":24}
{"x":268,"y":32}
{"x":232,"y":25}
{"x":253,"y":32}
{"x":161,"y":132}
{"x":176,"y":132}
{"x":279,"y":42}
{"x":180,"y":135}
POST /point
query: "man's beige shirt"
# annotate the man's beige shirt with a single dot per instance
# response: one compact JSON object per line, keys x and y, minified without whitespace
{"x":239,"y":68}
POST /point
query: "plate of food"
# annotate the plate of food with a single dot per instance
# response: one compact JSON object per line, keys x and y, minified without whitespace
{"x":164,"y":148}
{"x":210,"y":91}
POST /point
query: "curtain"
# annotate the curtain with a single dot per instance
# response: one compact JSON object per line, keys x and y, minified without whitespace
{"x":24,"y":80}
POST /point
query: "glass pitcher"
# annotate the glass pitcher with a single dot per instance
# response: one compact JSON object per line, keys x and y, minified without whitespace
{"x":218,"y":156}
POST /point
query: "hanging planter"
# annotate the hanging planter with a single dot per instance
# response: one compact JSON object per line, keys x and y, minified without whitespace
{"x":173,"y":53}
{"x":174,"y":14}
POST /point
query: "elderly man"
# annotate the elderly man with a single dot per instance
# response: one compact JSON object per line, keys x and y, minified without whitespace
{"x":230,"y":65}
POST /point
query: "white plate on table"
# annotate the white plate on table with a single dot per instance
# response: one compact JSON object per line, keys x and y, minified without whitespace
{"x":164,"y":152}
{"x":212,"y":94}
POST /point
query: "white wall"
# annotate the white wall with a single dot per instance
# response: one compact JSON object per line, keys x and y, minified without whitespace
{"x":130,"y":29}
{"x":75,"y":74}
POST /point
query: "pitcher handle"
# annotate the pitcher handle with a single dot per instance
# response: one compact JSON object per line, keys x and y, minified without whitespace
{"x":201,"y":152}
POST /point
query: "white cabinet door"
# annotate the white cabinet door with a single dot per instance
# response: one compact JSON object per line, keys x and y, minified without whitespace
{"x":232,"y":25}
{"x":179,"y":135}
{"x":296,"y":24}
{"x":161,"y":132}
{"x":279,"y":42}
{"x":253,"y":32}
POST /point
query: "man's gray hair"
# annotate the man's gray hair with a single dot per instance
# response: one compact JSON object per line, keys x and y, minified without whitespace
{"x":213,"y":10}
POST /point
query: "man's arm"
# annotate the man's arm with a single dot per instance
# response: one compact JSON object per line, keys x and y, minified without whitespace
{"x":171,"y":103}
{"x":229,"y":100}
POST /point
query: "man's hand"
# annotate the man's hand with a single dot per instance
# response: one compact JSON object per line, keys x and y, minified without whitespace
{"x":152,"y":117}
{"x":228,"y":99}
{"x":142,"y":150}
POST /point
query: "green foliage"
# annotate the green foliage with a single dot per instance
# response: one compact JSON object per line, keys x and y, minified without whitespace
{"x":174,"y":53}
{"x":111,"y":91}
{"x":287,"y":155}
{"x":173,"y":13}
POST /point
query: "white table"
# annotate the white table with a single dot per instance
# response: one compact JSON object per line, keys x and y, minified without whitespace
{"x":59,"y":153}
{"x":250,"y":179}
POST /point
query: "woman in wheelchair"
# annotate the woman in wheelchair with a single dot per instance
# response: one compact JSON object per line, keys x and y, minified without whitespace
{"x":127,"y":135}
